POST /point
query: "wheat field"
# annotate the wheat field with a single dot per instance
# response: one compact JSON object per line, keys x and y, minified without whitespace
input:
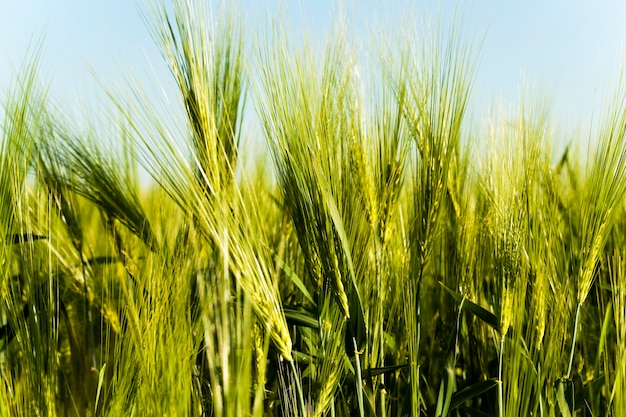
{"x":382,"y":258}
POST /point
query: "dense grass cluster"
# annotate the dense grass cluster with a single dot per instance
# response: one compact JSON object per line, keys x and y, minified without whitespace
{"x":389,"y":261}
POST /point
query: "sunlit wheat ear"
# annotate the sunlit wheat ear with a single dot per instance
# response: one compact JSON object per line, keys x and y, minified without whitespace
{"x":23,"y":109}
{"x":541,"y":298}
{"x":605,"y":188}
{"x":332,"y":367}
{"x":267,"y":308}
{"x":361,"y":170}
{"x":207,"y":66}
{"x":311,"y":152}
{"x":617,"y":279}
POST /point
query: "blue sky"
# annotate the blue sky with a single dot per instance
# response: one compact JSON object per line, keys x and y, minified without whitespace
{"x":567,"y":49}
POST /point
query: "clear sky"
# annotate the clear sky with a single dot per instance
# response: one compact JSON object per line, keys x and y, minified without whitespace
{"x":567,"y":48}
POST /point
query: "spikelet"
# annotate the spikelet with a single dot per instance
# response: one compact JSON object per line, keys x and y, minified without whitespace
{"x":339,"y":290}
{"x":326,"y":394}
{"x":332,"y":366}
{"x":588,"y":266}
{"x":361,"y":171}
{"x":259,"y":355}
{"x":266,"y":305}
{"x":509,"y":258}
{"x":540,"y":293}
{"x":391,"y":179}
{"x":251,"y":259}
{"x":506,"y":314}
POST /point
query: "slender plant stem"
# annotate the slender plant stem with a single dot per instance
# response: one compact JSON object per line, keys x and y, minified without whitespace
{"x":296,"y":378}
{"x":541,"y":396}
{"x":501,"y":384}
{"x":383,"y":395}
{"x":359,"y":378}
{"x":571,"y":356}
{"x":379,"y":267}
{"x":89,"y":321}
